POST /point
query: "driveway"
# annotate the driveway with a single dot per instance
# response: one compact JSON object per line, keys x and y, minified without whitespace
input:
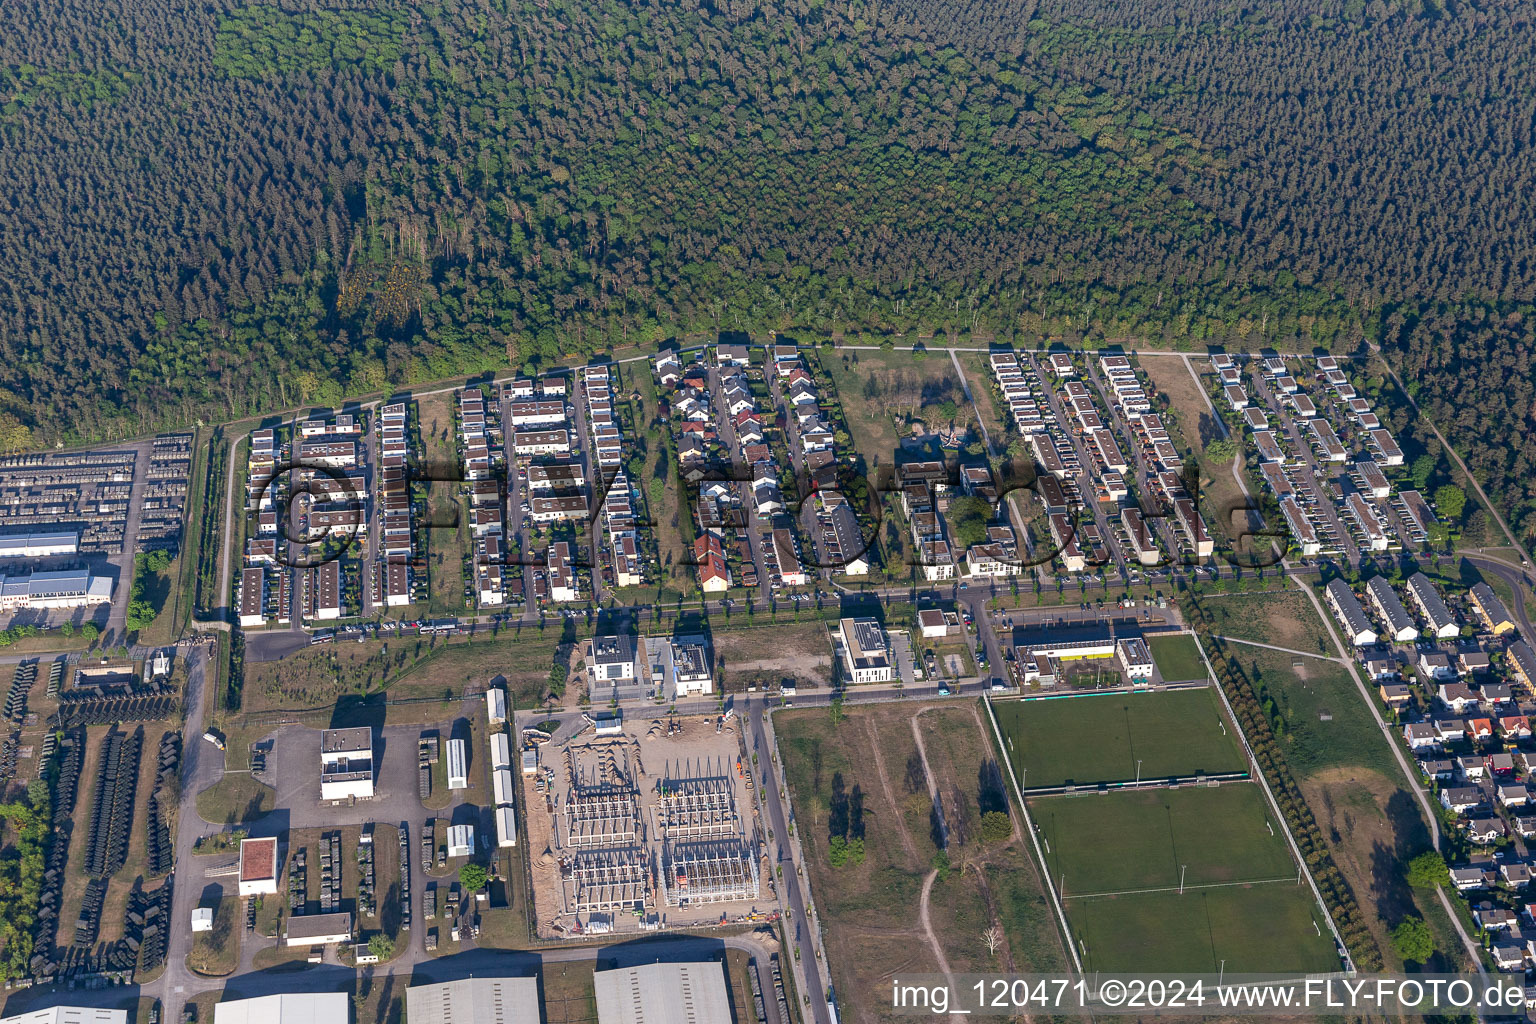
{"x":901,"y":648}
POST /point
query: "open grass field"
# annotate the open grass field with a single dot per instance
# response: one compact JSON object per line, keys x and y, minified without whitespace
{"x":1177,"y":657}
{"x":884,"y":391}
{"x":1325,"y":721}
{"x":522,"y":657}
{"x":1285,"y":619}
{"x":1188,"y":419}
{"x":663,"y":492}
{"x":1371,"y":824}
{"x":1261,"y":928}
{"x":1099,"y":738}
{"x":569,"y":995}
{"x":1369,"y":819}
{"x":406,"y":665}
{"x":161,"y":590}
{"x":769,"y":653}
{"x":234,"y":799}
{"x":217,"y":953}
{"x":51,"y":641}
{"x":978,"y":373}
{"x":872,"y":911}
{"x":505,"y":924}
{"x":445,"y":544}
{"x":1138,"y":840}
{"x":1193,"y":425}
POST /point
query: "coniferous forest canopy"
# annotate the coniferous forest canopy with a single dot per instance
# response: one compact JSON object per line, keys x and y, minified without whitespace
{"x":211,"y":208}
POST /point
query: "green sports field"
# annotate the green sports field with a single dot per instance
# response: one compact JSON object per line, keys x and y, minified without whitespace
{"x":1117,"y":859}
{"x":1100,"y":737}
{"x":1177,"y":658}
{"x":1139,"y":839}
{"x":1258,"y":929}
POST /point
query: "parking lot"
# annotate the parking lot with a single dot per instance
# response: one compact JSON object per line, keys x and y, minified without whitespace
{"x":121,"y":500}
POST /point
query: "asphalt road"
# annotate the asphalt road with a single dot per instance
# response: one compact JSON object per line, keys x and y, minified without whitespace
{"x":805,"y":948}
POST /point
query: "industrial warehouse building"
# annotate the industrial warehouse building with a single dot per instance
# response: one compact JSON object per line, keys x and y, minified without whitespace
{"x":39,"y":545}
{"x":662,"y":994}
{"x":475,"y":1001}
{"x":461,"y":840}
{"x":496,"y":705}
{"x":67,"y":588}
{"x":69,"y":1015}
{"x":286,"y":1008}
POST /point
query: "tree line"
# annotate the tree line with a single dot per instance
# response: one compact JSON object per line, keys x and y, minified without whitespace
{"x":212,"y":210}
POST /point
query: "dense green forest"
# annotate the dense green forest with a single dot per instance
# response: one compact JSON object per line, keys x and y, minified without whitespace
{"x":208,"y":209}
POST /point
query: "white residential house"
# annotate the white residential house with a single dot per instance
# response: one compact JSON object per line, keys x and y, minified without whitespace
{"x":1435,"y":665}
{"x":865,"y":650}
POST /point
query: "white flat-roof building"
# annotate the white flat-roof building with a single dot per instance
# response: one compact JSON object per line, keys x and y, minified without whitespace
{"x":202,"y":919}
{"x":475,"y":1001}
{"x":679,"y":666}
{"x":1135,"y":657}
{"x":458,"y":765}
{"x":318,"y":929}
{"x":67,"y":588}
{"x":692,"y":993}
{"x":346,"y":763}
{"x":39,"y":545}
{"x":461,"y":840}
{"x":286,"y":1008}
{"x":866,"y":650}
{"x":613,"y":659}
{"x":258,"y":867}
{"x":69,"y":1015}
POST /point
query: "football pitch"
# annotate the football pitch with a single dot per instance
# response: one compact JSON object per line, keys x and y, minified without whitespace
{"x":1118,"y":859}
{"x":1131,"y":840}
{"x":1266,"y":928}
{"x":1096,"y":738}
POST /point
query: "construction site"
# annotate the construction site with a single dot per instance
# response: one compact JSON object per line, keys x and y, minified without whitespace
{"x":644,"y":825}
